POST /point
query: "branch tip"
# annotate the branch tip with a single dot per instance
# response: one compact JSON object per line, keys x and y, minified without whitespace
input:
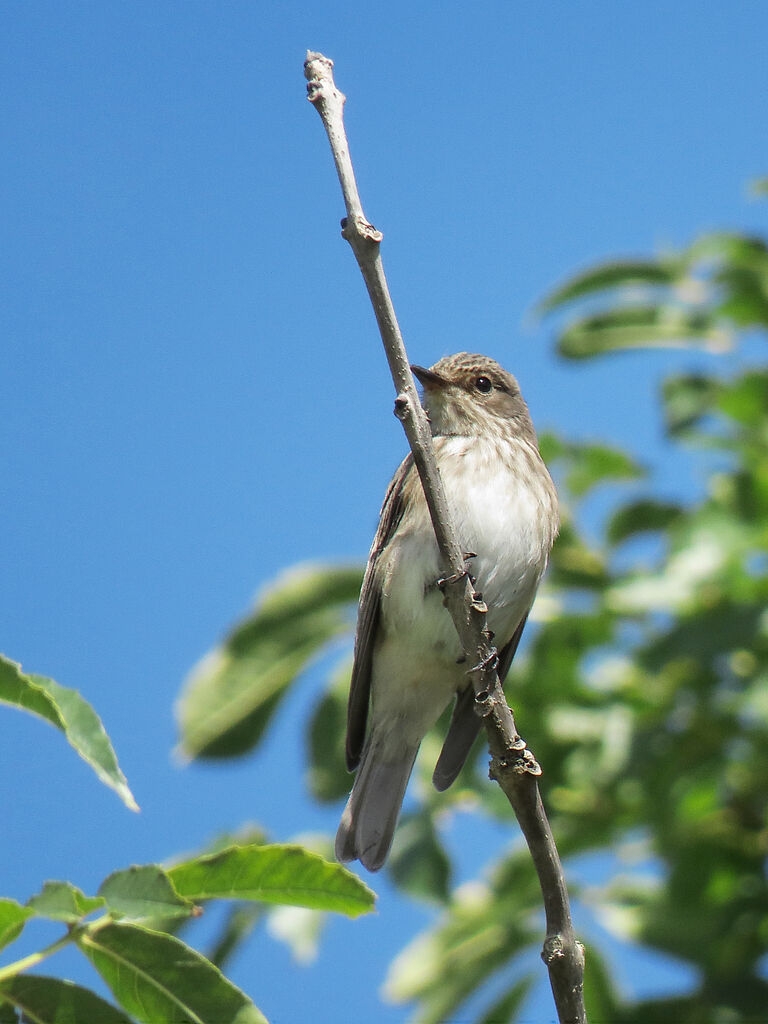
{"x":318,"y":70}
{"x":316,"y":55}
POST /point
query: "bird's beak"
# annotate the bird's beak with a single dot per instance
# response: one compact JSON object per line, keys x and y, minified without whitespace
{"x":428,"y":378}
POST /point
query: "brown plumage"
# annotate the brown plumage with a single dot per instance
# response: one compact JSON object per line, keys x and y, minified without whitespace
{"x":408,"y":662}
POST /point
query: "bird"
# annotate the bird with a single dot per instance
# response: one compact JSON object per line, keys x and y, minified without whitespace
{"x":408,"y":662}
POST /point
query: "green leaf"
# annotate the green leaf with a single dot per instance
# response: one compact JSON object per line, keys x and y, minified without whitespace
{"x":157,"y":977}
{"x":687,"y":398}
{"x":53,"y":1001}
{"x":61,"y":901}
{"x":418,"y":863}
{"x":441,"y":973}
{"x":745,"y":302}
{"x":746,"y":398}
{"x":600,"y":996}
{"x":759,"y":187}
{"x":642,"y":327}
{"x":574,"y":564}
{"x":484,"y":927}
{"x":232,"y":695}
{"x":144,"y":892}
{"x":728,"y":248}
{"x":329,"y":779}
{"x":643,"y":516}
{"x":552,"y":446}
{"x":8,"y":1014}
{"x":604,"y":276}
{"x":278,"y":873}
{"x":12,"y":919}
{"x":68,"y":711}
{"x":588,"y":464}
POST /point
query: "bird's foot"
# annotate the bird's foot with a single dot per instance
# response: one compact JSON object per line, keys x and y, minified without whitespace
{"x":447,"y":581}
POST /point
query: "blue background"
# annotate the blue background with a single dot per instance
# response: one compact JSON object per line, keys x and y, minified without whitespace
{"x":194,"y":394}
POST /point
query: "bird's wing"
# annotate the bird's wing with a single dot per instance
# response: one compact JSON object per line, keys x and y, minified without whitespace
{"x":465,"y":722}
{"x":368,"y":616}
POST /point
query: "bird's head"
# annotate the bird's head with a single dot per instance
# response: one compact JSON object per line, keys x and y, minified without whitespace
{"x":472,"y":395}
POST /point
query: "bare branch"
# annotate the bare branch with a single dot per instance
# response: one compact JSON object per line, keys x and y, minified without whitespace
{"x":513,"y":766}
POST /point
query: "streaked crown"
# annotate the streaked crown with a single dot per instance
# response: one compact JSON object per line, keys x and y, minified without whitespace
{"x":469,"y":394}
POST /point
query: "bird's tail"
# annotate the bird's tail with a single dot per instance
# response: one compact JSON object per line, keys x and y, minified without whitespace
{"x":369,"y":819}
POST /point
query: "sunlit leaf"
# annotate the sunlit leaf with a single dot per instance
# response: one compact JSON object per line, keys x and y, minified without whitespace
{"x":53,"y":1001}
{"x":68,"y":711}
{"x":642,"y":327}
{"x":746,"y":398}
{"x":12,"y":919}
{"x":278,"y":873}
{"x":157,"y":977}
{"x":605,"y":276}
{"x":676,"y":585}
{"x":143,"y":891}
{"x":231,"y":696}
{"x":62,"y":901}
{"x":729,"y":249}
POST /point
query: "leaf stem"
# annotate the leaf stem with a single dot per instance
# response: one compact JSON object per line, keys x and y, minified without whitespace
{"x":19,"y":966}
{"x":72,"y":934}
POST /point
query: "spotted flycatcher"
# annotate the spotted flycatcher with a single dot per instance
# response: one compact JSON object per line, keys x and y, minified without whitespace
{"x":408,"y":660}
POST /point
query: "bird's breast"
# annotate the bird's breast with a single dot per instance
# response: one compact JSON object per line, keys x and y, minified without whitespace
{"x":504,"y":510}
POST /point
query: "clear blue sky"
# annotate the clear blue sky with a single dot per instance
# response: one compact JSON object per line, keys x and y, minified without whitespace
{"x":194,"y":394}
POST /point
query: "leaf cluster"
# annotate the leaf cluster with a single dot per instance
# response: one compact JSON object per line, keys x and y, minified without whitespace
{"x":643,"y":688}
{"x":153,"y":974}
{"x":700,"y":296}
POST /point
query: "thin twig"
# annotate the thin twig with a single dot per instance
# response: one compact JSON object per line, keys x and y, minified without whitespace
{"x":513,"y":766}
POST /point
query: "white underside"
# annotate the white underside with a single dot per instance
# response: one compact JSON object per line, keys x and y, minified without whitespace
{"x":508,"y":526}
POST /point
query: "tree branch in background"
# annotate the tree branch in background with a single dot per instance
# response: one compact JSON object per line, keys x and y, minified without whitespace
{"x":513,"y":766}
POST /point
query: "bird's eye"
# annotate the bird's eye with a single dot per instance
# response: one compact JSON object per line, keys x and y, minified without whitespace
{"x":483,"y":384}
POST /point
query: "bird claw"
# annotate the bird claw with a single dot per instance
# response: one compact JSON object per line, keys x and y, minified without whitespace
{"x":447,"y":581}
{"x":491,"y":661}
{"x":467,"y":556}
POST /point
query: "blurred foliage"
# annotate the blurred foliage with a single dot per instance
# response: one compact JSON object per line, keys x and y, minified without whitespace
{"x":231,"y":696}
{"x":700,"y":296}
{"x":643,"y":687}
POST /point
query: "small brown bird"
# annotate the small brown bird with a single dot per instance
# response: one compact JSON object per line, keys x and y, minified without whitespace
{"x":408,"y":660}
